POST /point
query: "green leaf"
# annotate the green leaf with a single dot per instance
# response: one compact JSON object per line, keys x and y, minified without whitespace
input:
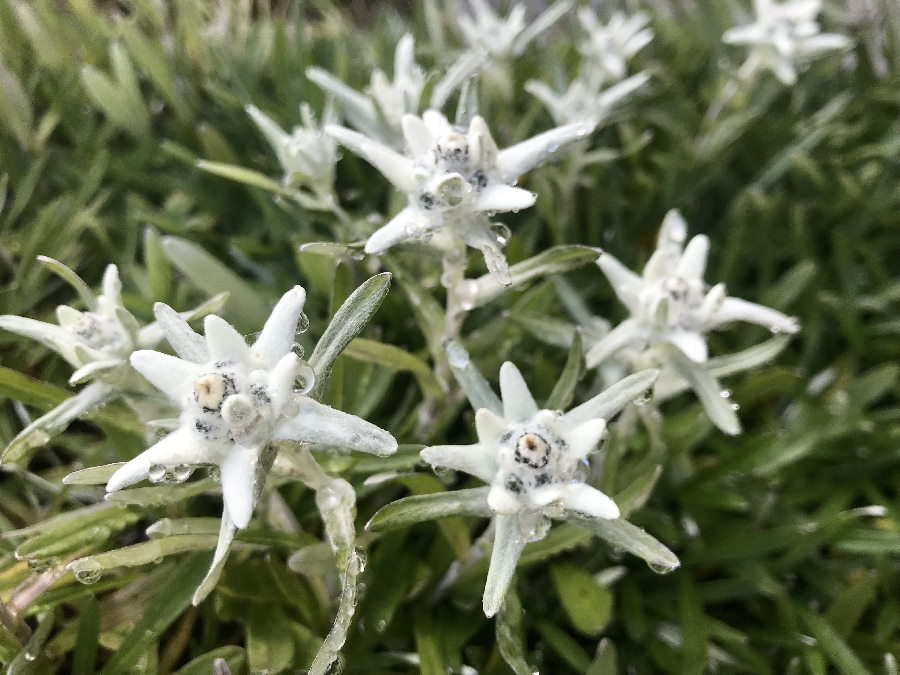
{"x":621,"y":533}
{"x":831,"y":644}
{"x":555,"y":260}
{"x":32,"y":660}
{"x":246,"y":176}
{"x":270,"y":643}
{"x":587,"y":603}
{"x":15,"y":107}
{"x":159,"y":271}
{"x":431,"y":661}
{"x":233,"y":656}
{"x":426,"y":310}
{"x":410,"y":510}
{"x":564,"y":389}
{"x":172,"y":597}
{"x":213,"y":277}
{"x":95,"y":475}
{"x":510,"y":634}
{"x":565,"y":646}
{"x":143,"y":553}
{"x":606,"y":660}
{"x":394,"y":358}
{"x":84,"y":657}
{"x":346,"y":324}
{"x":70,"y":277}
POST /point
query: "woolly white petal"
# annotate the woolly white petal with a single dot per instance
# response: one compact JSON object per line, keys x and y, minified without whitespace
{"x":609,"y":402}
{"x":280,"y":329}
{"x":171,"y":375}
{"x":417,"y":135}
{"x":48,"y":334}
{"x":626,"y":284}
{"x":518,"y":403}
{"x":693,"y":261}
{"x":401,"y":227}
{"x":589,"y":501}
{"x":282,"y":379}
{"x":186,"y":343}
{"x":436,"y":122}
{"x":735,"y":309}
{"x":226,"y":537}
{"x":476,"y":460}
{"x":584,"y":438}
{"x":395,"y":167}
{"x":709,"y":391}
{"x":499,"y":197}
{"x":112,"y":286}
{"x":223,"y":341}
{"x":508,"y":545}
{"x":626,"y":333}
{"x":521,"y":157}
{"x":489,"y":426}
{"x":238,"y":472}
{"x":691,"y":344}
{"x":742,"y":35}
{"x":180,"y":447}
{"x":825,"y":42}
{"x":481,"y":142}
{"x":318,"y":423}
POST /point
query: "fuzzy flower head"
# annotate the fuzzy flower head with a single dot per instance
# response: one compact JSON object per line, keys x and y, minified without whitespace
{"x":786,"y":36}
{"x":234,"y":400}
{"x":378,"y":112}
{"x":455,"y":179}
{"x":307,"y":155}
{"x":607,"y":48}
{"x":671,"y":305}
{"x":502,"y":37}
{"x":585,"y":98}
{"x":534,"y":461}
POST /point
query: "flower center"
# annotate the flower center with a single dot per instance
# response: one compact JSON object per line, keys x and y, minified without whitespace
{"x":99,"y":332}
{"x":211,"y":390}
{"x":532,"y":450}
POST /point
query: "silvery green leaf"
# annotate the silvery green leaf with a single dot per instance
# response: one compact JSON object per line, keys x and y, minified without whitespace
{"x":94,"y":368}
{"x":564,"y":389}
{"x":609,"y":402}
{"x":358,"y":109}
{"x":336,"y":637}
{"x":143,"y":553}
{"x":333,"y":249}
{"x":508,"y":544}
{"x":213,"y":277}
{"x":548,"y":330}
{"x":346,"y":324}
{"x":249,"y":177}
{"x":552,"y":261}
{"x":394,"y":358}
{"x":32,"y":659}
{"x":428,"y":313}
{"x":162,"y":494}
{"x":44,"y":428}
{"x":73,"y":530}
{"x":70,"y":277}
{"x":476,"y":388}
{"x":622,"y":534}
{"x":510,"y":634}
{"x":415,"y":509}
{"x":638,"y":492}
{"x":95,"y":475}
{"x":704,"y":384}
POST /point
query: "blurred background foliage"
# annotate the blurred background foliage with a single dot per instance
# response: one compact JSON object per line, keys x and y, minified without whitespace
{"x":789,"y":534}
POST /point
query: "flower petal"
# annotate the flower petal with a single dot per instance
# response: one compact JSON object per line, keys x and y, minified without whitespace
{"x":625,"y":334}
{"x":187,"y":344}
{"x":720,"y":409}
{"x":693,"y":261}
{"x":481,"y":143}
{"x":239,"y":483}
{"x":626,"y":284}
{"x":278,"y":333}
{"x":489,"y":426}
{"x":48,"y":334}
{"x":223,"y":545}
{"x":609,"y":402}
{"x":476,"y":460}
{"x":171,"y":375}
{"x":691,"y":344}
{"x":436,"y":122}
{"x":515,"y":160}
{"x":584,"y":438}
{"x":584,"y":499}
{"x":182,"y":446}
{"x":417,"y":135}
{"x":395,"y":167}
{"x":500,"y":197}
{"x":735,"y":309}
{"x":518,"y":403}
{"x":357,"y":108}
{"x":223,"y":341}
{"x":401,"y":227}
{"x":508,"y":545}
{"x":112,"y":286}
{"x":282,"y":379}
{"x":318,"y":423}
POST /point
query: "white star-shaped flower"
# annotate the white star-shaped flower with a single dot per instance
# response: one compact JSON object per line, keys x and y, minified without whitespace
{"x":455,"y":179}
{"x":502,"y":37}
{"x":608,"y":47}
{"x":534,"y":461}
{"x":235,"y":401}
{"x":307,"y":155}
{"x":585,"y":98}
{"x":671,"y":304}
{"x":378,"y":112}
{"x":784,"y":37}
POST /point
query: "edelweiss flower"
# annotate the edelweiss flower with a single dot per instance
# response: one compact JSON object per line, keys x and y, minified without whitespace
{"x":502,"y":37}
{"x":585,"y":99}
{"x":670,"y":304}
{"x":236,"y":399}
{"x":307,"y":155}
{"x":607,"y":48}
{"x":96,"y":342}
{"x":455,"y":179}
{"x":534,"y":461}
{"x":378,"y":113}
{"x":784,"y":37}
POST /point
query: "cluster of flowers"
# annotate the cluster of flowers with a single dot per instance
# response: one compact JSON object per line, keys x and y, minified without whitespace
{"x":237,"y":402}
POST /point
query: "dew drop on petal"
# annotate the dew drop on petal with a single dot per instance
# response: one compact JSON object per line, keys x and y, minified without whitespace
{"x":643,"y":399}
{"x":156,"y":473}
{"x":302,"y":323}
{"x":214,"y":473}
{"x":181,"y":472}
{"x":306,"y":378}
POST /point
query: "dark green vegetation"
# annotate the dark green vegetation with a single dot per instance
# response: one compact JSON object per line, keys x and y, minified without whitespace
{"x":786,"y":567}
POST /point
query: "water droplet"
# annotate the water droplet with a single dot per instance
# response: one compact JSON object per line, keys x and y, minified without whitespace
{"x":87,"y":570}
{"x":299,"y":350}
{"x":725,"y":393}
{"x":501,"y":233}
{"x":735,"y":406}
{"x":457,"y":355}
{"x":156,"y":473}
{"x":181,"y":472}
{"x":553,"y":147}
{"x":306,"y":378}
{"x":214,"y":473}
{"x":643,"y":399}
{"x":662,"y":567}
